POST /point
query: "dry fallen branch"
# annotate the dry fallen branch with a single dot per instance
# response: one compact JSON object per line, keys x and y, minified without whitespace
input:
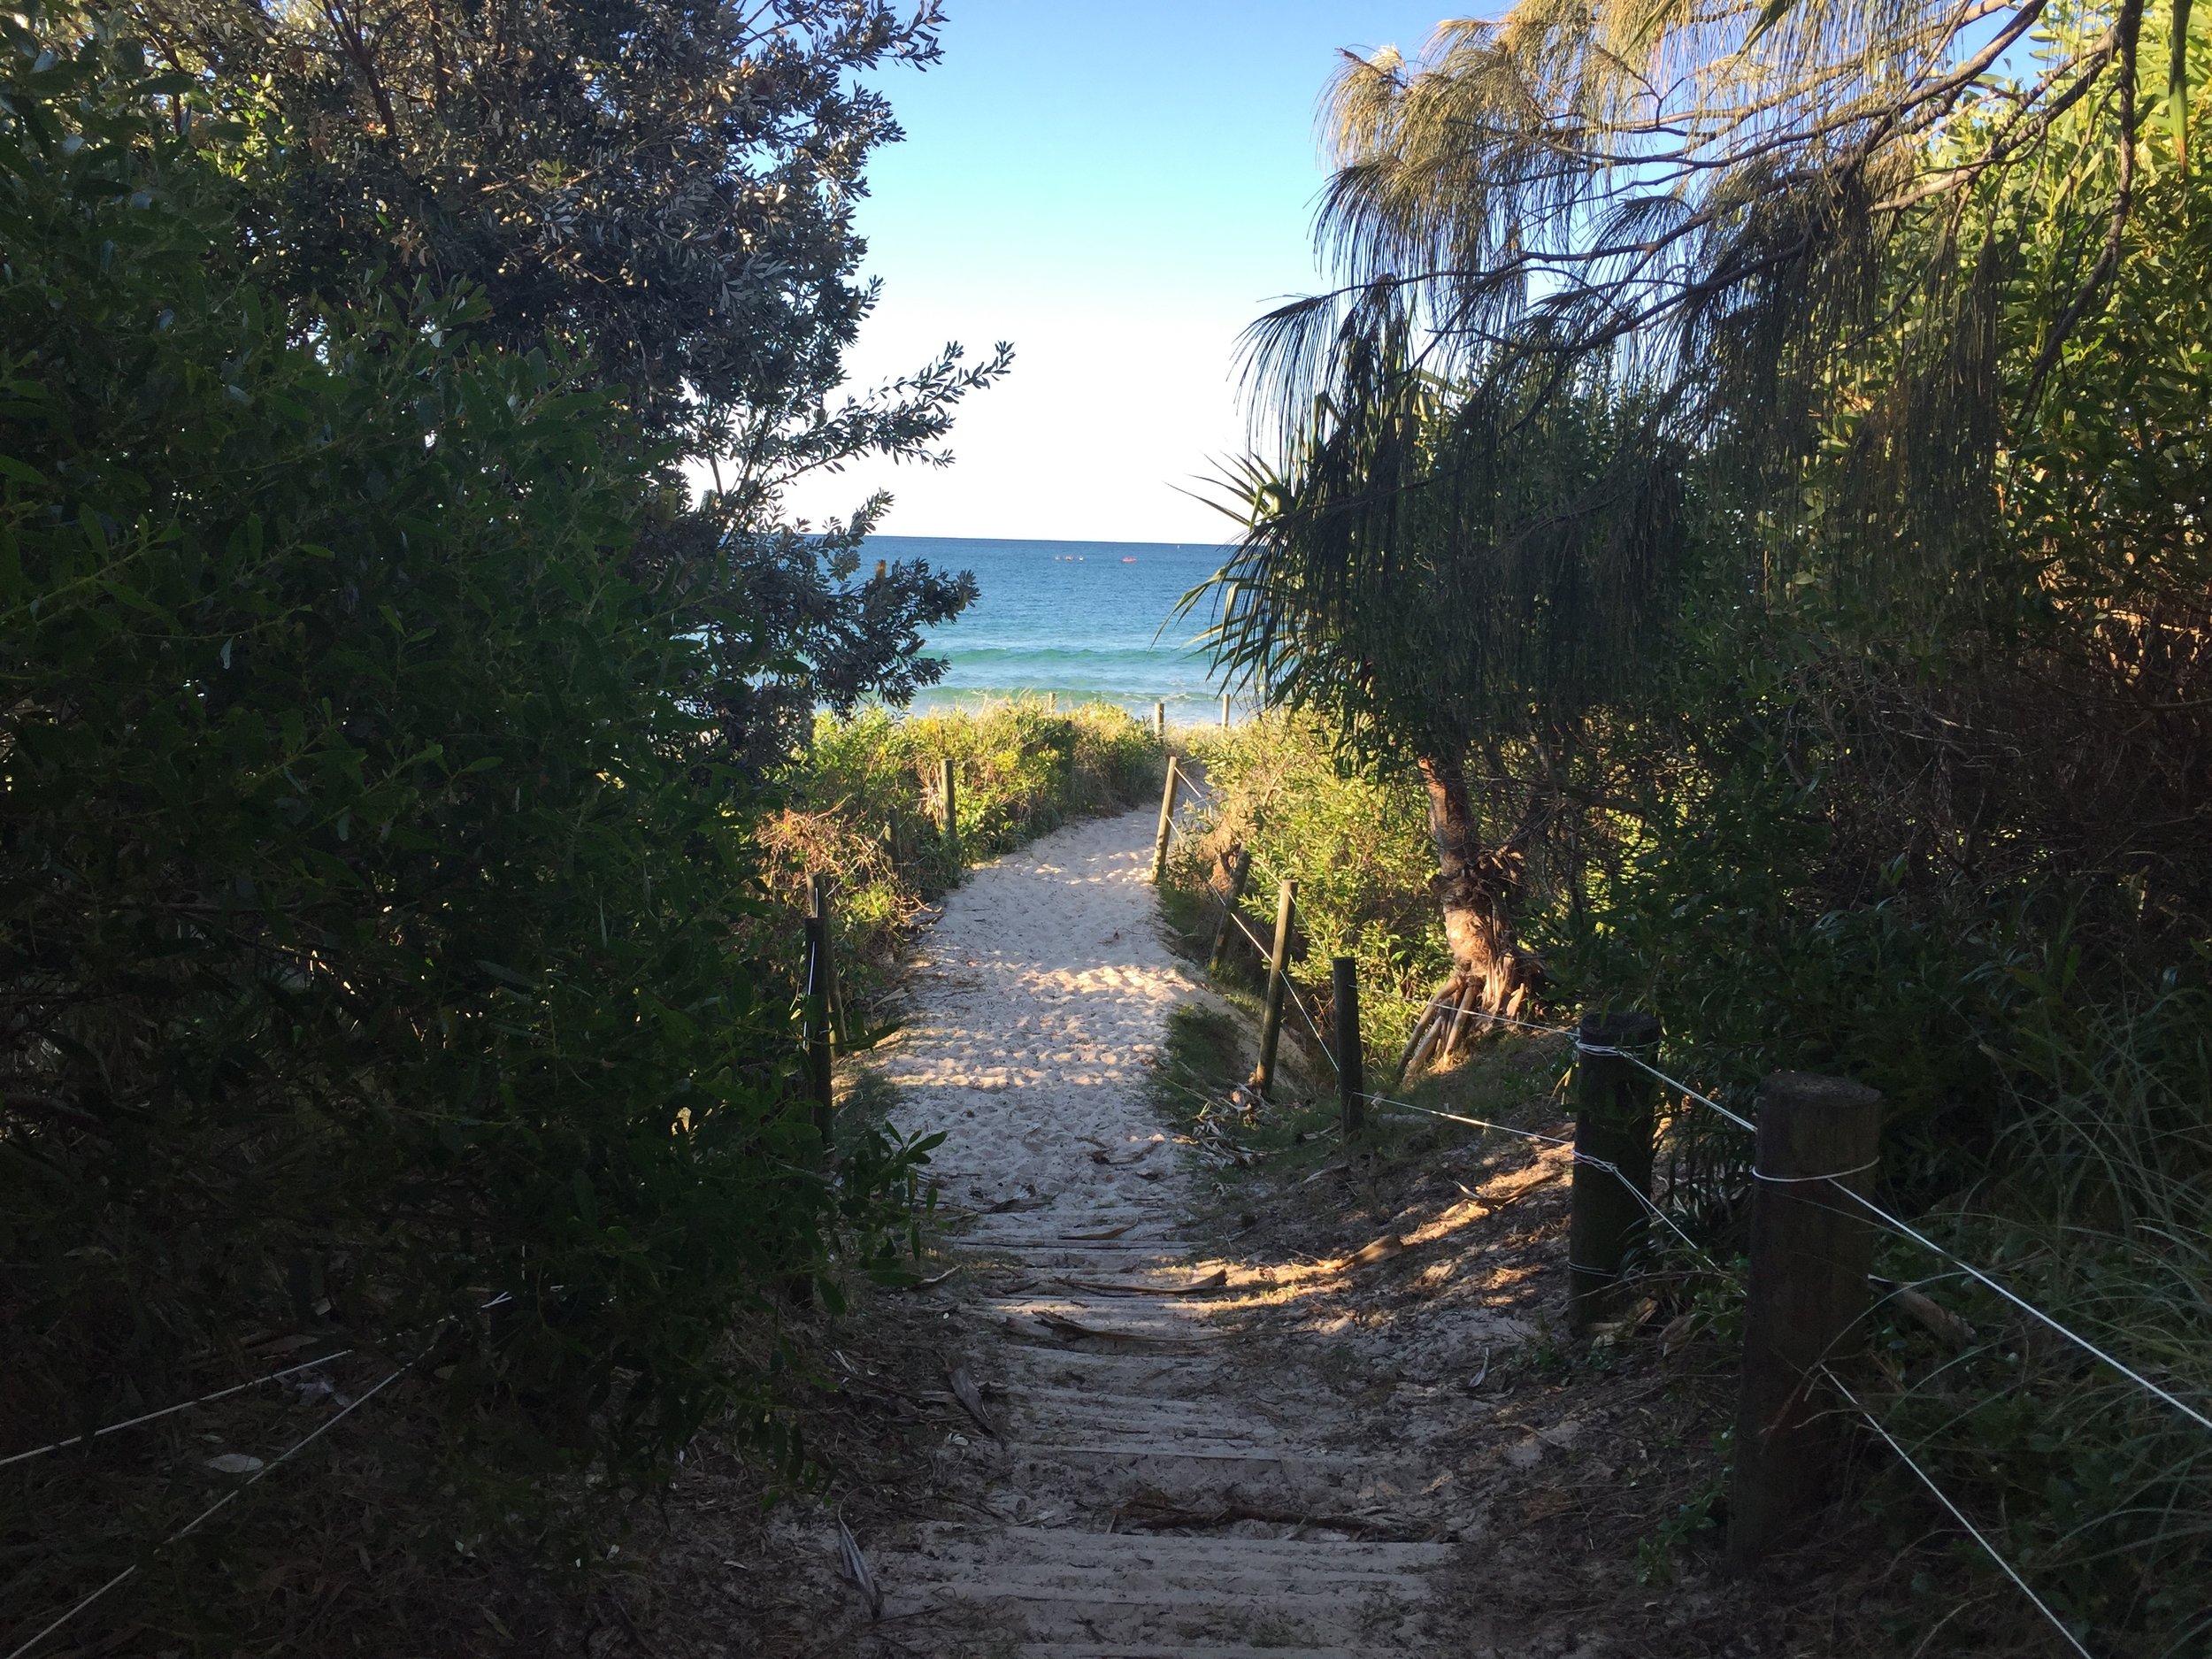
{"x":1929,"y":1314}
{"x":1104,"y":1234}
{"x":1377,"y":1250}
{"x":1153,"y":1511}
{"x":856,"y":1568}
{"x":1214,"y":1281}
{"x":971,"y":1399}
{"x":1102,"y":1153}
{"x":1075,"y":1330}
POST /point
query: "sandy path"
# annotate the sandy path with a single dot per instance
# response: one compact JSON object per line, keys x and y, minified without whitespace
{"x":1040,"y":1003}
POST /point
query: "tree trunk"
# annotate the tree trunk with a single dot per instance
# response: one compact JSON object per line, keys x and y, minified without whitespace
{"x":1476,"y":889}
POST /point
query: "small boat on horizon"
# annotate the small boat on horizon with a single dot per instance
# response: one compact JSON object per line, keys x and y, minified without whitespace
{"x":1129,"y":558}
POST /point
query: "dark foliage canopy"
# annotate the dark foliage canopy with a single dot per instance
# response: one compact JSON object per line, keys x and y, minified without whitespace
{"x":662,"y":191}
{"x":380,"y":914}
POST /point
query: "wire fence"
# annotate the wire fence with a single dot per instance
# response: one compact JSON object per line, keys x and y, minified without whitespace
{"x":346,"y":1408}
{"x":1836,"y":1180}
{"x":168,"y":1412}
{"x":25,"y":1650}
{"x":1293,"y":994}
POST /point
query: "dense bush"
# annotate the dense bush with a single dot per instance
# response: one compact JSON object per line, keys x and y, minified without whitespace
{"x":1356,"y":839}
{"x":371,"y":924}
{"x":1908,"y":778}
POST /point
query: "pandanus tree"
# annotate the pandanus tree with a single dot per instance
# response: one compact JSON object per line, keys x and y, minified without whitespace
{"x":1581,"y":246}
{"x":1720,"y":189}
{"x":1852,"y":239}
{"x":1451,"y":572}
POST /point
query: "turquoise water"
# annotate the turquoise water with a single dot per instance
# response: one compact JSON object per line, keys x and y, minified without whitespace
{"x":1085,"y":620}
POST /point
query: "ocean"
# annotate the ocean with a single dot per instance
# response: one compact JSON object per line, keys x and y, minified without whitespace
{"x":1088,"y":620}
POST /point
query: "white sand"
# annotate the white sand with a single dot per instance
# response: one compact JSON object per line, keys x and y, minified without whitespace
{"x":1038,"y":1006}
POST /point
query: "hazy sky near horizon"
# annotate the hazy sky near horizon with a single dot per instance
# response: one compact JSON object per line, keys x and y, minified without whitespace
{"x":1118,"y":188}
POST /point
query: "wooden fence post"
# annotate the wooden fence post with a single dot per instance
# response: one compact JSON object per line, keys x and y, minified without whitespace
{"x":1159,"y":721}
{"x":818,"y":1036}
{"x":1167,"y":822}
{"x":1225,"y":708}
{"x":1052,"y":702}
{"x":1278,"y":977}
{"x":1351,"y":1065}
{"x":1239,"y":872}
{"x":1614,"y":1123}
{"x":817,"y":905}
{"x":1810,"y":1250}
{"x":948,"y":786}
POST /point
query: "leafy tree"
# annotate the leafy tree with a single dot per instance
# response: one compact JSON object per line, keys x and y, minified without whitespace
{"x":1909,"y":781}
{"x":1717,"y":188}
{"x":370,"y":890}
{"x":665,"y":188}
{"x":1838,"y":259}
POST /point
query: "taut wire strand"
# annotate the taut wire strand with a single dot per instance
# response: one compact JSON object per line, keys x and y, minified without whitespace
{"x":1636,"y":1059}
{"x":1475,"y":1122}
{"x":209,"y":1513}
{"x":1957,"y":1514}
{"x":1609,"y":1168}
{"x":1420,"y":1009}
{"x":186,"y":1405}
{"x":1799,"y":1180}
{"x":2026,"y":1307}
{"x":1644,"y":1198}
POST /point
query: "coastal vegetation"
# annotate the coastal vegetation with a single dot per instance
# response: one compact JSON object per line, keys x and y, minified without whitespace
{"x":1748,"y":484}
{"x":1733,"y":545}
{"x":397,"y":763}
{"x":864,"y":805}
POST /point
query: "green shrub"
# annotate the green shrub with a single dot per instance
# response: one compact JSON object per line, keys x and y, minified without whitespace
{"x":1355,"y":839}
{"x":372,"y":936}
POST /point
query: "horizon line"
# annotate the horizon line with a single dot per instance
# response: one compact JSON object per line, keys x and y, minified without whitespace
{"x":1045,"y":541}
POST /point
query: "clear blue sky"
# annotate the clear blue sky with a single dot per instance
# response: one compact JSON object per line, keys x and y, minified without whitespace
{"x":1117,"y":187}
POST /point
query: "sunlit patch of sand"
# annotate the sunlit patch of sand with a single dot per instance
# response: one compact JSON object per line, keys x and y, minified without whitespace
{"x":1043,"y":995}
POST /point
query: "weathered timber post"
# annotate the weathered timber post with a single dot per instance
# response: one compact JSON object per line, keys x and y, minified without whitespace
{"x":1167,"y":822}
{"x":948,"y":786}
{"x":818,"y":1035}
{"x":1224,"y":710}
{"x":1240,"y":871}
{"x":1278,"y":983}
{"x":1159,"y":721}
{"x":1810,"y":1250}
{"x":817,"y":905}
{"x":1052,"y":702}
{"x":1613,"y":1125}
{"x":1351,"y":1065}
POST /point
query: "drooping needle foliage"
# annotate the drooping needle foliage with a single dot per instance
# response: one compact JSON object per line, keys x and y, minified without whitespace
{"x":1882,"y":335}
